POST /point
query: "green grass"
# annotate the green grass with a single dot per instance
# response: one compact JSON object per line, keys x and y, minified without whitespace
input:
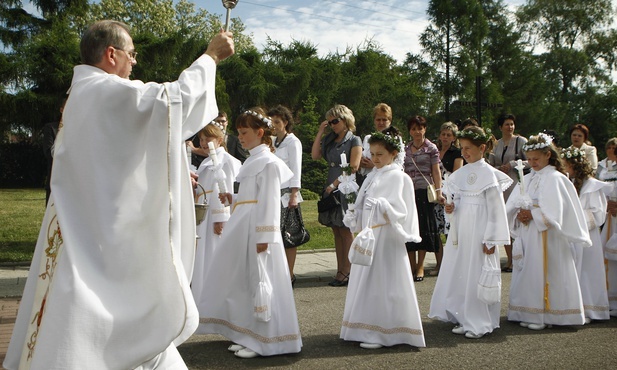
{"x":21,"y":214}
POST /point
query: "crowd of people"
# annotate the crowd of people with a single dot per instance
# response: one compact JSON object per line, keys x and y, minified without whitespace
{"x":122,"y":261}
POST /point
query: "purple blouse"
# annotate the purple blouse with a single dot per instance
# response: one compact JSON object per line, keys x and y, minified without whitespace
{"x":424,"y":159}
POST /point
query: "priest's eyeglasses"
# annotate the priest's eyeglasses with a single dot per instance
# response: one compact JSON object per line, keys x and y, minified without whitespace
{"x":131,"y":54}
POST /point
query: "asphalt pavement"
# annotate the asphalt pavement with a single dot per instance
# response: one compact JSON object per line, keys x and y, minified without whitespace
{"x":320,"y":311}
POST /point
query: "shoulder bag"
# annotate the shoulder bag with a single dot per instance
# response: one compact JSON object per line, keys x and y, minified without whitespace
{"x":293,"y":231}
{"x":430,"y":189}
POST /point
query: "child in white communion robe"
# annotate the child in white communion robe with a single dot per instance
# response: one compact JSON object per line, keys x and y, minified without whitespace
{"x":386,"y":286}
{"x":252,"y":254}
{"x":480,"y":225}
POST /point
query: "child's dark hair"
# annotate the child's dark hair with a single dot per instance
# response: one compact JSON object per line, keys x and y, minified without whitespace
{"x":478,"y":136}
{"x":544,"y":143}
{"x":579,"y":164}
{"x":255,"y":118}
{"x":390,"y":138}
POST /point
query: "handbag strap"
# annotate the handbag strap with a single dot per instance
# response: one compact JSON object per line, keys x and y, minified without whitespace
{"x":414,"y":163}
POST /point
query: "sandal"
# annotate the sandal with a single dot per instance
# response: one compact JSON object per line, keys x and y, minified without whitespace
{"x":342,"y":282}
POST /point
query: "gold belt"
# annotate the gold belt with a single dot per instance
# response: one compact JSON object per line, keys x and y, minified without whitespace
{"x":243,"y":202}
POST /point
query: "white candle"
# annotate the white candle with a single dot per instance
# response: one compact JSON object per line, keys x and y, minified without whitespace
{"x":343,"y":160}
{"x":215,"y":158}
{"x":447,"y":188}
{"x":520,"y":167}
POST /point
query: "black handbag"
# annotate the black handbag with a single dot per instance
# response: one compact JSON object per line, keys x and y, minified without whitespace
{"x":329,"y":202}
{"x":293,"y":231}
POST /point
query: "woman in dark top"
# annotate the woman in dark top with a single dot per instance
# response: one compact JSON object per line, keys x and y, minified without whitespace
{"x":451,"y":160}
{"x":422,"y":165}
{"x":330,"y":147}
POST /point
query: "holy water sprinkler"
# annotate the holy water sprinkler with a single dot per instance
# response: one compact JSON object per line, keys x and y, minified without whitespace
{"x":229,"y":5}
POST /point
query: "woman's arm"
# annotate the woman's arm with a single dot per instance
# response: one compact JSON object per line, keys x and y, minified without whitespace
{"x":355,"y":157}
{"x":316,"y":148}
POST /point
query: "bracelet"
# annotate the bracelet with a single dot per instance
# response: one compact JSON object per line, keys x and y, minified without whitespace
{"x":332,"y":186}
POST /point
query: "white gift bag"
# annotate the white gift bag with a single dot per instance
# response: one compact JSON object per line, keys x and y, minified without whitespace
{"x":489,"y":284}
{"x":263,"y":295}
{"x":363,"y":245}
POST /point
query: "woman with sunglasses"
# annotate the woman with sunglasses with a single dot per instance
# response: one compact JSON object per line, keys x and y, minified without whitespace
{"x":340,"y":140}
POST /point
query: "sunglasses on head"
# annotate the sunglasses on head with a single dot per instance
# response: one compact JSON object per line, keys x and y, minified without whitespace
{"x":334,"y":121}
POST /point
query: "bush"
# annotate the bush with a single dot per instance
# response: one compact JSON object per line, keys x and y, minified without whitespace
{"x":22,"y":165}
{"x":314,"y":174}
{"x":309,"y":195}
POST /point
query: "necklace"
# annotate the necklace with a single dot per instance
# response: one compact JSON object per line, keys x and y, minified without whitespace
{"x":278,"y":143}
{"x":417,"y":147}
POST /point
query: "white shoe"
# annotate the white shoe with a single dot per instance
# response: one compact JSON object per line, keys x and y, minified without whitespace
{"x":370,"y":345}
{"x":458,"y":330}
{"x":235,"y":348}
{"x":471,"y":335}
{"x":523,"y":324}
{"x":246,"y":353}
{"x":536,"y":326}
{"x":587,"y":320}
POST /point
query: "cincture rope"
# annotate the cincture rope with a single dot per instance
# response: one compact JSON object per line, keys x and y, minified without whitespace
{"x":243,"y":202}
{"x":547,"y":305}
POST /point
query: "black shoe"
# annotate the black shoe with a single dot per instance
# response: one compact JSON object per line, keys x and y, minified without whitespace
{"x":293,"y":280}
{"x":342,"y":282}
{"x":419,"y":278}
{"x":506,"y":269}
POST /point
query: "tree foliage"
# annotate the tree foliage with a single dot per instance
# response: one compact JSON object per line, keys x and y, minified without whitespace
{"x":550,"y":62}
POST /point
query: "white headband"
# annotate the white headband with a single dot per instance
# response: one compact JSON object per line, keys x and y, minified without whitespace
{"x":263,"y":119}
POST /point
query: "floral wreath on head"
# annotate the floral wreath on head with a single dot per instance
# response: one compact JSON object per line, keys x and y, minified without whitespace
{"x":538,"y":142}
{"x":475,"y":136}
{"x":217,"y":124}
{"x":394,"y":141}
{"x":573,"y":153}
{"x":263,"y":119}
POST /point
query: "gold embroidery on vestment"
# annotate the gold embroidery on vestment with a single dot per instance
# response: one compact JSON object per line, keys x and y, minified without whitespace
{"x":267,"y":229}
{"x":571,"y":311}
{"x":252,"y":334}
{"x":358,"y":325}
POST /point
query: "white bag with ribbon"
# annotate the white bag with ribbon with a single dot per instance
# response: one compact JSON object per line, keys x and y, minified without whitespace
{"x":263,"y":295}
{"x":489,"y":284}
{"x":363,"y":245}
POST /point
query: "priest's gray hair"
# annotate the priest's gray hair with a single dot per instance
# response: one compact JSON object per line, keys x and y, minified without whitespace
{"x":98,"y":37}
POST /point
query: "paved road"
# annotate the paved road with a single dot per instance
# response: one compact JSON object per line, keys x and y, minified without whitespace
{"x":320,"y":312}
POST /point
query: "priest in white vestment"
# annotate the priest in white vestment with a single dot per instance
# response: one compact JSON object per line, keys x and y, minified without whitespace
{"x":109,"y":282}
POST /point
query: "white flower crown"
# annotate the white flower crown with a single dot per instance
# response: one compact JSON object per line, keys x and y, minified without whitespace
{"x":541,"y":141}
{"x":263,"y":119}
{"x":218,"y":124}
{"x":572,"y":153}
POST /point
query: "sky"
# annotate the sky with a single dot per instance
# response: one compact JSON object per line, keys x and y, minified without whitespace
{"x":395,"y":25}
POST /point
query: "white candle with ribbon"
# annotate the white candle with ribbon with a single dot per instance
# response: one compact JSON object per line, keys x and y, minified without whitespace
{"x":343,"y":160}
{"x":218,"y":174}
{"x":520,"y":167}
{"x":446,"y":188}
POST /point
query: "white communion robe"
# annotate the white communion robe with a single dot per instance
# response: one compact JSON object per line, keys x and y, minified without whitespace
{"x":233,"y":276}
{"x":381,"y":305}
{"x":480,"y":218}
{"x":217,"y":212}
{"x":547,"y":291}
{"x":610,"y":230}
{"x":590,"y":261}
{"x":109,"y":283}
